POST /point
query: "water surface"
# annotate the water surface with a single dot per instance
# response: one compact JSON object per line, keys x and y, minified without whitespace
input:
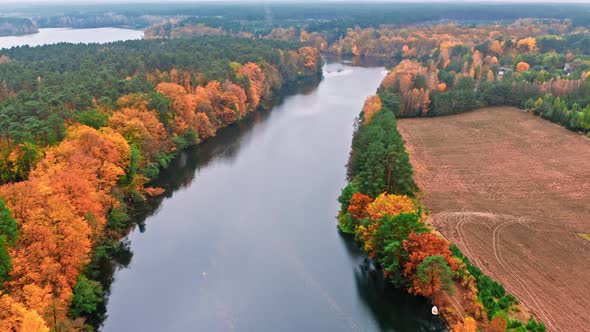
{"x":246,"y":239}
{"x":60,"y":35}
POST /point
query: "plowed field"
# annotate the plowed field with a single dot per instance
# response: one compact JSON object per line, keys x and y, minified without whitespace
{"x":513,"y":192}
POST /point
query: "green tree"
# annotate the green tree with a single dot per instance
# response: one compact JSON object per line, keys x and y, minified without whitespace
{"x":389,"y":239}
{"x":389,"y":100}
{"x":435,"y":271}
{"x":378,"y":160}
{"x":5,"y":261}
{"x":93,"y":118}
{"x":346,"y":195}
{"x":87,"y":295}
{"x":8,"y":234}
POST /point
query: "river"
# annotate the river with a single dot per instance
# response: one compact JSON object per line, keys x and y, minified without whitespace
{"x":59,"y":35}
{"x":245,"y":238}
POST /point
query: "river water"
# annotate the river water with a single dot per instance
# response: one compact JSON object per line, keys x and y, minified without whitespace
{"x":59,"y":35}
{"x":245,"y":238}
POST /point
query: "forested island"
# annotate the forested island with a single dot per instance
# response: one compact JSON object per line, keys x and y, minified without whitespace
{"x":85,"y":129}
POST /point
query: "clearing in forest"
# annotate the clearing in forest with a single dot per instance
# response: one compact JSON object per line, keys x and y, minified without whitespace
{"x":513,"y":192}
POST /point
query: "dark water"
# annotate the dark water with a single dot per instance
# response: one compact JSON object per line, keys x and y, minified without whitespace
{"x":246,"y":238}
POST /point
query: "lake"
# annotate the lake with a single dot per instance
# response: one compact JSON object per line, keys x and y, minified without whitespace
{"x":59,"y":35}
{"x":246,"y":239}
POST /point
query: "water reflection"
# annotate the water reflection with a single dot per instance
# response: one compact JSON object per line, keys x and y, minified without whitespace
{"x":398,"y":315}
{"x":361,"y":61}
{"x":392,"y":308}
{"x":181,"y":173}
{"x":254,"y":209}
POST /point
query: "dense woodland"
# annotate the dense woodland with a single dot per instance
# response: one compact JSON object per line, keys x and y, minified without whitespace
{"x":522,"y":66}
{"x":447,"y":63}
{"x":86,"y":127}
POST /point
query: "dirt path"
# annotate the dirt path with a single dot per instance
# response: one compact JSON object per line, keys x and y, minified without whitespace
{"x":513,"y":191}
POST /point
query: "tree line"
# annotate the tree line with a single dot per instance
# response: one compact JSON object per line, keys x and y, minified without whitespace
{"x":13,"y":26}
{"x":450,"y":68}
{"x":43,"y":88}
{"x":525,"y":72}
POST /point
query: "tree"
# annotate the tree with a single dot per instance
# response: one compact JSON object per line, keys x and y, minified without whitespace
{"x":389,"y":101}
{"x":378,"y":160}
{"x":8,"y":234}
{"x":434,"y":275}
{"x":390,"y":204}
{"x":430,"y":278}
{"x":5,"y":260}
{"x":32,"y":322}
{"x":142,"y":128}
{"x":468,"y":325}
{"x":93,"y":118}
{"x":584,"y":119}
{"x":527,"y":44}
{"x":257,"y":89}
{"x":346,"y":195}
{"x":14,"y":316}
{"x":499,"y":323}
{"x":383,"y":240}
{"x":8,"y":226}
{"x":522,"y":66}
{"x":22,"y":159}
{"x":358,"y":204}
{"x":87,"y":294}
{"x":372,"y":105}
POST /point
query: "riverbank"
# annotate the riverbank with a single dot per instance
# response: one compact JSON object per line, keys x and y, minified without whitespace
{"x":114,"y":252}
{"x":246,"y":200}
{"x":382,"y":207}
{"x":76,"y":197}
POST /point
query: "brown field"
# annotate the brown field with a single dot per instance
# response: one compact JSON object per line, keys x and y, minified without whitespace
{"x":513,"y":192}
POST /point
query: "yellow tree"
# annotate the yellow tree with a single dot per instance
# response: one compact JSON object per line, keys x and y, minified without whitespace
{"x":390,"y":204}
{"x":372,"y":105}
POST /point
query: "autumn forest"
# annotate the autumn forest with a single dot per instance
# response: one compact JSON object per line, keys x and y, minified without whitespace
{"x":87,"y":129}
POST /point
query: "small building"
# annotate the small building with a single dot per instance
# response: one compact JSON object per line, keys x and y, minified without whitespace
{"x":567,"y":68}
{"x":504,"y":70}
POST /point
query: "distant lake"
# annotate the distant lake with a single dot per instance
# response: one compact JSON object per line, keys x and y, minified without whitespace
{"x":60,"y":35}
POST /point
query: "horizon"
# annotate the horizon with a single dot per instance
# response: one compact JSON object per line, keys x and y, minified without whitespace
{"x":101,"y":2}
